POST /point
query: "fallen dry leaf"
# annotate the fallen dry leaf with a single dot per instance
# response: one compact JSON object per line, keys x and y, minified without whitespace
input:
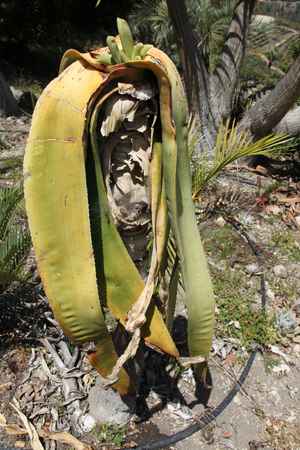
{"x":230,"y":360}
{"x":32,"y":433}
{"x":20,"y":444}
{"x":13,"y":428}
{"x":65,"y":438}
{"x":273,"y":209}
{"x":288,"y":200}
{"x":131,"y":444}
{"x":296,"y":221}
{"x":5,"y":386}
{"x":288,"y":217}
{"x":260,"y":170}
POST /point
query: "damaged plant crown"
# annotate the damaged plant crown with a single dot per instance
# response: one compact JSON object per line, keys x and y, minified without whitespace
{"x":104,"y":188}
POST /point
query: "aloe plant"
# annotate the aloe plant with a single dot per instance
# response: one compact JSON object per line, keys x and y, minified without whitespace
{"x":115,"y":116}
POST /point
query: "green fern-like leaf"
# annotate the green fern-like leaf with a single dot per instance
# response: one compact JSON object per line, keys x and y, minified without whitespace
{"x":151,"y":22}
{"x":9,"y":199}
{"x":231,"y":145}
{"x":14,"y":237}
{"x":14,"y":250}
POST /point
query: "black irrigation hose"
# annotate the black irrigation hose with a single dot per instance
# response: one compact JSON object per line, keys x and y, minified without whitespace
{"x":205,"y":420}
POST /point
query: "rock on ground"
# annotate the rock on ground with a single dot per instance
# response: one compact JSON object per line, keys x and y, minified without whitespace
{"x":106,"y":406}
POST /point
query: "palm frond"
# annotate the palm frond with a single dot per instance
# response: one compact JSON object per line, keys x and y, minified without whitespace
{"x":231,"y":145}
{"x":14,"y":238}
{"x":13,"y":251}
{"x":9,"y":199}
{"x":151,"y":22}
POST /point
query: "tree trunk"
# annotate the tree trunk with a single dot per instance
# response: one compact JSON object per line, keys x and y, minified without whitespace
{"x":225,"y":78}
{"x":290,"y":124}
{"x":217,"y":90}
{"x":270,"y":110}
{"x":272,"y":113}
{"x":8,"y":103}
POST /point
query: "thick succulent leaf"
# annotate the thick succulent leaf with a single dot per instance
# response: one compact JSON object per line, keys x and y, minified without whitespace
{"x":121,"y":282}
{"x":195,"y":275}
{"x":173,"y":287}
{"x":58,"y":212}
{"x":56,"y":201}
{"x":196,"y":278}
{"x":59,"y":217}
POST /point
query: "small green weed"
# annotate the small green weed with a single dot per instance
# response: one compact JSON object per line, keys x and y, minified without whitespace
{"x":224,"y":242}
{"x":285,"y":290}
{"x":270,"y":362}
{"x":236,"y":318}
{"x":286,"y":243}
{"x":273,"y":186}
{"x":234,"y":296}
{"x":110,"y":434}
{"x":271,"y":219}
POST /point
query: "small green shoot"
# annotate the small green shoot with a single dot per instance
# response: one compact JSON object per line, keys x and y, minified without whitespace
{"x":286,"y":244}
{"x":110,"y":434}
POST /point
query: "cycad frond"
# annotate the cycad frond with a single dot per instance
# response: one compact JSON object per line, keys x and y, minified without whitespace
{"x":9,"y":199}
{"x":151,"y":21}
{"x":14,"y":238}
{"x":269,"y":36}
{"x":232,"y":144}
{"x":209,"y":22}
{"x":13,"y":251}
